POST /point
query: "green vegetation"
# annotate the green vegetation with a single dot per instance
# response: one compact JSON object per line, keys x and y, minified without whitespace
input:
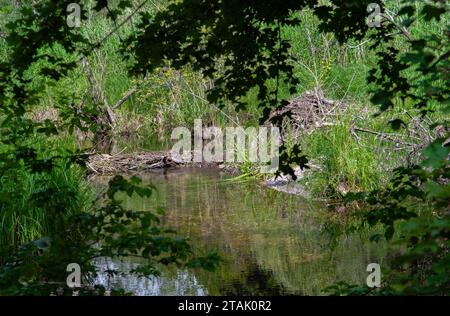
{"x":347,"y":163}
{"x":24,"y":217}
{"x":133,"y":72}
{"x":48,"y":212}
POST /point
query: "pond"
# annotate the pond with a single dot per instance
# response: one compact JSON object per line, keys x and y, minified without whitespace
{"x":272,"y":243}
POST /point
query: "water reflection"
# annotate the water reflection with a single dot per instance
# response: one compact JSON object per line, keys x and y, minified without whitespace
{"x":180,"y":283}
{"x":273,"y":243}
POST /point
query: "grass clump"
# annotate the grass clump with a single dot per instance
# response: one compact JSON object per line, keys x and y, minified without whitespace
{"x":32,"y":203}
{"x":346,"y":163}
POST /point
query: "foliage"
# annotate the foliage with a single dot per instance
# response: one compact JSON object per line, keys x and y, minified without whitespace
{"x":422,"y":268}
{"x":30,"y":203}
{"x":71,"y":234}
{"x":109,"y":230}
{"x":416,"y":206}
{"x":214,"y":37}
{"x":239,"y":45}
{"x":346,"y":162}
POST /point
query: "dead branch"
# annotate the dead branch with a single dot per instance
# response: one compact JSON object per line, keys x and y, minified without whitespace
{"x":125,"y":97}
{"x":401,"y":28}
{"x":383,"y":136}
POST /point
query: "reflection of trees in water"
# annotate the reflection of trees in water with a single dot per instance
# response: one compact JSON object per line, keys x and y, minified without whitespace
{"x":273,"y":243}
{"x":254,"y":281}
{"x":309,"y":267}
{"x":180,"y":283}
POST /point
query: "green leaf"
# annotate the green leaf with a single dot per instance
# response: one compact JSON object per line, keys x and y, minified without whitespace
{"x":435,"y":154}
{"x":435,"y":190}
{"x":432,"y":12}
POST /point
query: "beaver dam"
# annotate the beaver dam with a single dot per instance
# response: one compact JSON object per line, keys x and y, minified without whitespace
{"x":309,"y":111}
{"x":125,"y":163}
{"x":109,"y":164}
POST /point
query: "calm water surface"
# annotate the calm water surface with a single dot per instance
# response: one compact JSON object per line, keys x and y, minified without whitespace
{"x":273,"y":243}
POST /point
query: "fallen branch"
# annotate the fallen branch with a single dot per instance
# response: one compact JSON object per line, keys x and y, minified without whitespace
{"x":401,"y":28}
{"x":382,"y":135}
{"x":127,"y":95}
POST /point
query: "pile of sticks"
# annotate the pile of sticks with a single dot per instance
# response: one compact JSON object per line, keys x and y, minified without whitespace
{"x":127,"y":163}
{"x":309,"y":112}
